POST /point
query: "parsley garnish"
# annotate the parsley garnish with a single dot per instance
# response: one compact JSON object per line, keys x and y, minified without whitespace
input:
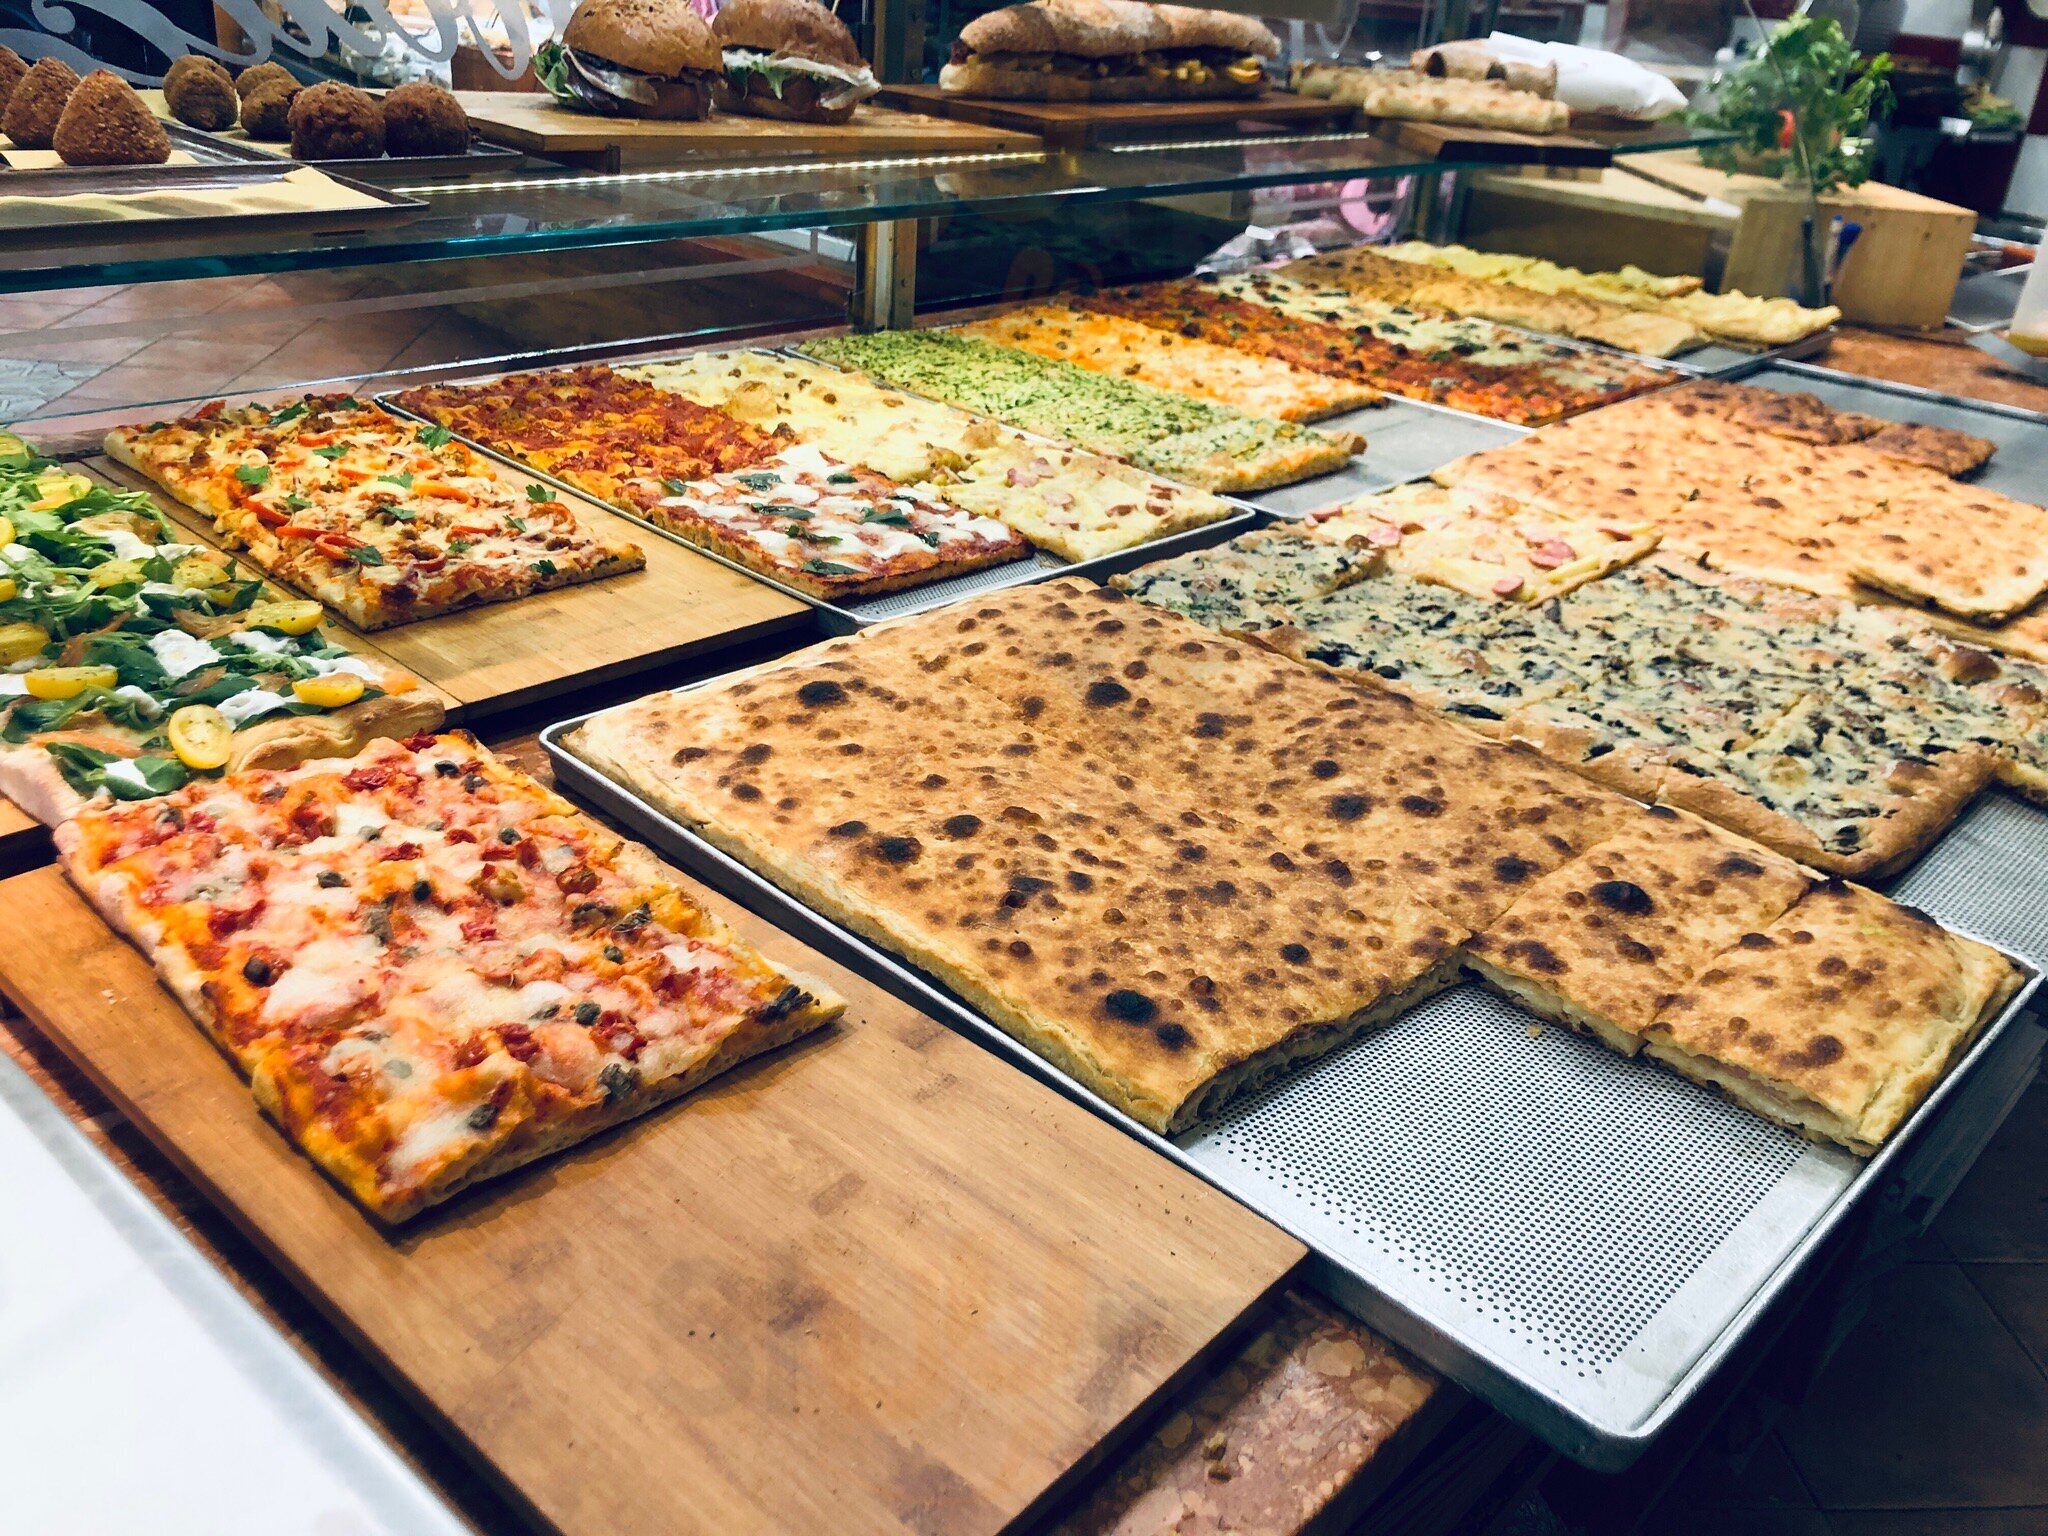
{"x":398,"y":514}
{"x":535,"y":492}
{"x":829,"y":568}
{"x":331,"y":453}
{"x":363,"y":554}
{"x":296,"y":503}
{"x":436,"y":437}
{"x":289,"y":413}
{"x":404,"y":480}
{"x":459,"y":546}
{"x":252,"y":474}
{"x":516,"y":524}
{"x":544,"y":567}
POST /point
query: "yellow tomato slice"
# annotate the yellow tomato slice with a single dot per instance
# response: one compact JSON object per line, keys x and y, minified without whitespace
{"x":13,"y":450}
{"x":294,"y":616}
{"x":6,"y":532}
{"x":68,"y":682}
{"x":200,"y":571}
{"x":329,"y":692}
{"x":21,"y":640}
{"x":115,"y":573}
{"x":201,"y":736}
{"x":58,"y":487}
{"x":7,"y":589}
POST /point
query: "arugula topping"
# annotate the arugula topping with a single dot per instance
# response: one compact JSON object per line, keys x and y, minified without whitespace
{"x":544,"y":567}
{"x":829,"y":568}
{"x":289,"y":413}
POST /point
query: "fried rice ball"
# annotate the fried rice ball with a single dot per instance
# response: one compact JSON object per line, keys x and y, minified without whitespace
{"x":201,"y":93}
{"x":37,"y":103}
{"x":256,"y":76}
{"x":12,"y":68}
{"x":421,"y":118}
{"x":332,"y":121}
{"x":106,"y":123}
{"x":266,"y":111}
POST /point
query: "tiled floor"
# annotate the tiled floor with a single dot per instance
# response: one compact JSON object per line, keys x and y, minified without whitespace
{"x":1932,"y":1417}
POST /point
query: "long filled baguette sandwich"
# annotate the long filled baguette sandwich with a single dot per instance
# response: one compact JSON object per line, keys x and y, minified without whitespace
{"x":1109,"y":50}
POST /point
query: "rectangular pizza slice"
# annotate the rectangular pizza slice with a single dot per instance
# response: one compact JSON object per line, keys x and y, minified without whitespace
{"x":1127,"y":350}
{"x":1599,"y":943}
{"x":383,"y":520}
{"x":830,"y":529}
{"x":431,"y":968}
{"x":1078,"y":505}
{"x":1837,"y":1017}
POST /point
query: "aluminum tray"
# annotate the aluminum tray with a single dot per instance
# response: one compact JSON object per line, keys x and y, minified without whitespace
{"x":846,"y":618}
{"x":1578,"y":1237}
{"x":1404,"y":440}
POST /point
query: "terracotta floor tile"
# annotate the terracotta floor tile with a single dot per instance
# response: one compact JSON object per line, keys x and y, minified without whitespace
{"x":1940,"y":1522}
{"x":1930,"y":1404}
{"x":2018,"y":1293}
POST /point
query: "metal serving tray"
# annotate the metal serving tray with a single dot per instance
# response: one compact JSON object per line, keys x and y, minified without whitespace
{"x":846,"y":618}
{"x":1578,"y":1237}
{"x":1404,"y":440}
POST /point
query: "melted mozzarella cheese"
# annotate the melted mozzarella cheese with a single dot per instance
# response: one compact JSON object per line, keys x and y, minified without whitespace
{"x":324,"y":980}
{"x":239,"y":709}
{"x":179,"y":653}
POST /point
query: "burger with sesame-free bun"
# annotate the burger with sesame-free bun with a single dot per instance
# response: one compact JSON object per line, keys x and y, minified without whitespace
{"x":633,"y":58}
{"x":790,"y":59}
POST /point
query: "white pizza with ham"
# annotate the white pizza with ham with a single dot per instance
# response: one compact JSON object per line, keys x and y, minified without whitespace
{"x":431,"y":968}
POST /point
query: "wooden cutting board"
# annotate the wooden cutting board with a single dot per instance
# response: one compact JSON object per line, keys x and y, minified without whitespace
{"x":498,"y":655}
{"x":22,"y":839}
{"x":540,"y":125}
{"x":1450,"y":141}
{"x":1082,"y":124}
{"x":878,"y":1281}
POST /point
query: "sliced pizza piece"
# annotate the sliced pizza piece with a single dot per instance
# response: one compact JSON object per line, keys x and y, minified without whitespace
{"x":1256,"y":580}
{"x":383,"y":520}
{"x":1487,"y":546}
{"x":1127,"y":350}
{"x":431,"y":968}
{"x":1942,"y":448}
{"x":1600,"y":943}
{"x":829,"y":529}
{"x":1078,"y":505}
{"x":1836,"y":1018}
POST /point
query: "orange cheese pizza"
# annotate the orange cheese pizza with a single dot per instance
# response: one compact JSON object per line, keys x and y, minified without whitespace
{"x":431,"y":968}
{"x":622,"y":439}
{"x":381,"y":519}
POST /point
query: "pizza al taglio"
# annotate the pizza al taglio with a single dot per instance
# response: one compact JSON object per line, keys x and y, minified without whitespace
{"x":830,"y":529}
{"x":131,"y":664}
{"x":383,"y":520}
{"x":431,"y":969}
{"x":1125,"y":349}
{"x":619,"y":438}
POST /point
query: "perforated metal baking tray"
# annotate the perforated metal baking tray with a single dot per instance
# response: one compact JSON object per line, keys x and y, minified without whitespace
{"x":1578,"y":1237}
{"x":844,"y":618}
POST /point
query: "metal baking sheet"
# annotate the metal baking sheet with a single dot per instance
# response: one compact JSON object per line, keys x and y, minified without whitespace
{"x":1404,"y":440}
{"x":1718,"y":359}
{"x":114,"y":236}
{"x":1578,"y":1237}
{"x":844,"y":618}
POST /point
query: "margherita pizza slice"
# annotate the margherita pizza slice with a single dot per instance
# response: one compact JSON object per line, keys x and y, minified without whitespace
{"x":381,"y":519}
{"x":431,"y":968}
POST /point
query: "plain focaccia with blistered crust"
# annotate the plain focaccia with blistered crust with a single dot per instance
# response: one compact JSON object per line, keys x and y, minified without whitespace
{"x":1838,"y":1018}
{"x":1599,"y":943}
{"x":1163,"y":961}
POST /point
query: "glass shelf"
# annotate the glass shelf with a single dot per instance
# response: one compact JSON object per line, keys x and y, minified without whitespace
{"x":546,"y":209}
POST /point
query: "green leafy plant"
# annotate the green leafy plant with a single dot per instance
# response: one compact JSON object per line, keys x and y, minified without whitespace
{"x":1803,"y":107}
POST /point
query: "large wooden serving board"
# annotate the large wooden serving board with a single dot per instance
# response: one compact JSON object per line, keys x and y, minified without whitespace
{"x":877,"y":1281}
{"x":1083,"y":124}
{"x":1493,"y":146}
{"x":540,"y":125}
{"x":498,"y":655}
